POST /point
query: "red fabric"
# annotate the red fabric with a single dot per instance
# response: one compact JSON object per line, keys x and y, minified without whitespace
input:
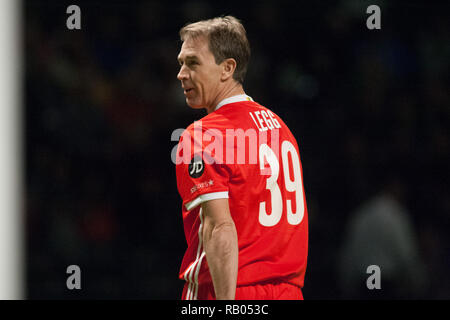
{"x":268,"y":291}
{"x":266,"y":253}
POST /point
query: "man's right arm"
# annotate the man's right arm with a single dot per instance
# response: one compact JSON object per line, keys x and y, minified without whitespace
{"x":221,"y":247}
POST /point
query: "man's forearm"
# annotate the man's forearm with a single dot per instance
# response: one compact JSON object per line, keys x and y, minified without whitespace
{"x":221,"y":248}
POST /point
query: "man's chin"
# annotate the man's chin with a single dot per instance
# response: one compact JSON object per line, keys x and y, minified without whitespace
{"x":194,"y":105}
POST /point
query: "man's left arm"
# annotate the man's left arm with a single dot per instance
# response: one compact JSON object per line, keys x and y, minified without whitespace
{"x":221,"y":247}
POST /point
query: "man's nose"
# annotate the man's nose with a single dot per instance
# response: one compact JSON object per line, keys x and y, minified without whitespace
{"x":182,"y":74}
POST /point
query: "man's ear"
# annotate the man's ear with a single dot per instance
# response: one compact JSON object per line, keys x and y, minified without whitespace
{"x":228,"y":65}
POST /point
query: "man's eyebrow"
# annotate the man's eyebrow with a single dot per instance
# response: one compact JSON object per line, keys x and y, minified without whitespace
{"x":193,"y":57}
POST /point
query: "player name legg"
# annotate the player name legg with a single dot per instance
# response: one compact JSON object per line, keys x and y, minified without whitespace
{"x":194,"y":310}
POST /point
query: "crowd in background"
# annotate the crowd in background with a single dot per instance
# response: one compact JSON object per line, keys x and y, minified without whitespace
{"x":370,"y":110}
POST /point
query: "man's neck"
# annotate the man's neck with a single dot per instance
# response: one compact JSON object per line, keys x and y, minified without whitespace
{"x":232,"y":91}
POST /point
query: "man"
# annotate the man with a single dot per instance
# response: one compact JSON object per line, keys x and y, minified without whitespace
{"x":244,"y":209}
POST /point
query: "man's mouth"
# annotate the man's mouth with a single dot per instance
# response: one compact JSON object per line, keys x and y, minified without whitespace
{"x":188,"y":90}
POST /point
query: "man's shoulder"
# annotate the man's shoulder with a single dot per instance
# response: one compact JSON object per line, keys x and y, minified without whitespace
{"x":207,"y":123}
{"x":204,"y":124}
{"x":220,"y":118}
{"x":228,"y":116}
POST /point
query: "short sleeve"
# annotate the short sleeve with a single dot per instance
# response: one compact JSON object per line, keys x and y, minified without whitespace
{"x":201,"y":175}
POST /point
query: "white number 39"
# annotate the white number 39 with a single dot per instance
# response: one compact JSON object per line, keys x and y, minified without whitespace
{"x":292,"y":185}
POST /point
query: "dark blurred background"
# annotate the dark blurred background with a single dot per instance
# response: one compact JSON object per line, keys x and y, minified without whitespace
{"x":370,"y":110}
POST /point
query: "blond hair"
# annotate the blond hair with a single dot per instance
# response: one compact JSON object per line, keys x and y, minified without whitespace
{"x":227,"y":39}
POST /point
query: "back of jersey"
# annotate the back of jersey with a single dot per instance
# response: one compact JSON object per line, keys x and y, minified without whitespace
{"x":266,"y":194}
{"x":246,"y":153}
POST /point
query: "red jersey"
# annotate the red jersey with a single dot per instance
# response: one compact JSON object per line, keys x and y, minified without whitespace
{"x":244,"y":152}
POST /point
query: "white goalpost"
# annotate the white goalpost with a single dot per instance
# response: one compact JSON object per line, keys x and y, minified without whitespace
{"x":11,"y":169}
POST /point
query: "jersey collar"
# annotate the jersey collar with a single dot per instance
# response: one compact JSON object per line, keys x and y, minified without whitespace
{"x":233,"y":99}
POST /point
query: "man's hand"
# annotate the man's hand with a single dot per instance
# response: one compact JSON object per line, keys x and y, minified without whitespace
{"x":221,"y":247}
